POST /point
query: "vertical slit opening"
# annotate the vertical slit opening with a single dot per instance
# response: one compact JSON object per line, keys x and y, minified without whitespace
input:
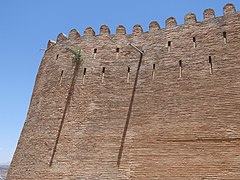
{"x":84,"y":74}
{"x":117,"y":51}
{"x":225,"y":37}
{"x":94,"y":53}
{"x":103,"y":72}
{"x":169,"y":45}
{"x":154,"y":66}
{"x":153,"y":71}
{"x":57,"y":56}
{"x":128,"y":75}
{"x":61,"y":76}
{"x":211,"y":65}
{"x":180,"y":68}
{"x":194,"y":42}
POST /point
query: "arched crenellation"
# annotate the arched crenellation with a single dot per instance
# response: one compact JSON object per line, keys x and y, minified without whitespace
{"x":190,"y":18}
{"x":104,"y":30}
{"x":73,"y":34}
{"x":121,"y":30}
{"x":229,"y":9}
{"x":50,"y":44}
{"x":61,"y":37}
{"x":208,"y":14}
{"x":171,"y":22}
{"x":89,"y":31}
{"x":154,"y":27}
{"x":137,"y":29}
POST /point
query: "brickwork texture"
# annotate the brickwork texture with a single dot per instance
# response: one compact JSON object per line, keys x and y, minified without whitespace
{"x":162,"y":104}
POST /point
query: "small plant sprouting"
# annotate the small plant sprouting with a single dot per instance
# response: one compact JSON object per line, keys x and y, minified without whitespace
{"x":76,"y":56}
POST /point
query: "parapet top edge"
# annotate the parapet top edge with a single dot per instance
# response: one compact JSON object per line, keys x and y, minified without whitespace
{"x":190,"y":18}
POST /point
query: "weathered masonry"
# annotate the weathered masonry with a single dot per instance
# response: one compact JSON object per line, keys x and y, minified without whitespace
{"x":162,"y":104}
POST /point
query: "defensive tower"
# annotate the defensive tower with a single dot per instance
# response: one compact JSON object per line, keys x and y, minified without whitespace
{"x":162,"y":104}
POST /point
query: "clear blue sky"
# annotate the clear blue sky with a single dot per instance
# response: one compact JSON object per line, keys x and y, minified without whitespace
{"x":27,"y":25}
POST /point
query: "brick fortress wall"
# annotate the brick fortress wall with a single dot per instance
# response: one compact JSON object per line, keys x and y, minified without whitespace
{"x":172,"y":114}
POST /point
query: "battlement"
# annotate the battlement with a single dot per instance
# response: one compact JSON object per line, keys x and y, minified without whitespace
{"x":189,"y":20}
{"x":161,"y":104}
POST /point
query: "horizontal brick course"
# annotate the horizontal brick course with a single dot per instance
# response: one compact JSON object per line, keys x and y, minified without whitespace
{"x":179,"y":128}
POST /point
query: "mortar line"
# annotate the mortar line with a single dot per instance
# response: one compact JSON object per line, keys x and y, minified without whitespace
{"x":217,"y":140}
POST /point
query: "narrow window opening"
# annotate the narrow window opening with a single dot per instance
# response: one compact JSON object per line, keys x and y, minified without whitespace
{"x":169,"y":45}
{"x":225,"y":37}
{"x":84,"y":74}
{"x":194,"y":42}
{"x":61,"y":76}
{"x":153,"y":71}
{"x":103,"y":73}
{"x":180,"y":68}
{"x":211,"y":65}
{"x":154,"y":66}
{"x":57,"y":56}
{"x":94,"y":53}
{"x":117,"y":52}
{"x":128,"y":75}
